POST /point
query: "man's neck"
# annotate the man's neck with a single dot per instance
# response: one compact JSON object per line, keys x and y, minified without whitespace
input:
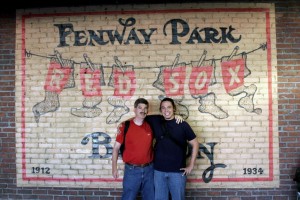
{"x":138,"y":121}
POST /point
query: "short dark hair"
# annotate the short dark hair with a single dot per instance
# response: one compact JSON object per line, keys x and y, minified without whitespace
{"x":170,"y":100}
{"x":140,"y":100}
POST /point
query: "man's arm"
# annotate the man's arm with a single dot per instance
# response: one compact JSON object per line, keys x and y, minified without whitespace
{"x":195,"y":148}
{"x":150,"y":118}
{"x":115,"y":155}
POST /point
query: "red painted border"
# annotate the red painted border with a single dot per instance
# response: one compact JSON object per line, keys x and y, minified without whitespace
{"x":25,"y":177}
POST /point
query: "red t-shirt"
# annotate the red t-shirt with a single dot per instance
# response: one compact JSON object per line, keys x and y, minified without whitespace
{"x":138,"y":143}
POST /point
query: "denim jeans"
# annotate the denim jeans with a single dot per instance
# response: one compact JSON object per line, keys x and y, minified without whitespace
{"x":138,"y":179}
{"x":172,"y":182}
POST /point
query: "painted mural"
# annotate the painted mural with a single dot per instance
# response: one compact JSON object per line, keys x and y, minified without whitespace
{"x":79,"y":70}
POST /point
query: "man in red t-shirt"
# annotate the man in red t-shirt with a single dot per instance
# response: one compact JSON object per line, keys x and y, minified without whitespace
{"x":137,"y":155}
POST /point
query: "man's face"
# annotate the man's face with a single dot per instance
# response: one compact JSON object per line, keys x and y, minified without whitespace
{"x":141,"y":111}
{"x":167,"y":110}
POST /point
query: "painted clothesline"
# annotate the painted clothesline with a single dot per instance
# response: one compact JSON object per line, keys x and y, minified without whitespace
{"x":58,"y":56}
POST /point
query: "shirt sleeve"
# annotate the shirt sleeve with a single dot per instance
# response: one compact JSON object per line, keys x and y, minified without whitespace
{"x":190,"y":134}
{"x":120,"y":133}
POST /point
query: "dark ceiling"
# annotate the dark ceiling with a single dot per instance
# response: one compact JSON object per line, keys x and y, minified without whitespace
{"x":76,"y":3}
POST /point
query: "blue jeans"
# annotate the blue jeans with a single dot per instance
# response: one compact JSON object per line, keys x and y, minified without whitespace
{"x":138,"y":179}
{"x":173,"y":182}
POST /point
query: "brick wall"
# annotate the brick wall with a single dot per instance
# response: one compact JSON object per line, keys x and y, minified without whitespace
{"x":7,"y":98}
{"x":287,"y":28}
{"x":287,"y":22}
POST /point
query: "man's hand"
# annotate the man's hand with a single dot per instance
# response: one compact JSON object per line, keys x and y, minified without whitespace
{"x":179,"y":119}
{"x":187,"y":170}
{"x":115,"y":173}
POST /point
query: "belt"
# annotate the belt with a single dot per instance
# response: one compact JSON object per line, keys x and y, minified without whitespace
{"x":141,"y":165}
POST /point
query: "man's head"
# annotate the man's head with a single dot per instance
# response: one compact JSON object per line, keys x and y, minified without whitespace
{"x":141,"y":106}
{"x":141,"y":100}
{"x":167,"y":108}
